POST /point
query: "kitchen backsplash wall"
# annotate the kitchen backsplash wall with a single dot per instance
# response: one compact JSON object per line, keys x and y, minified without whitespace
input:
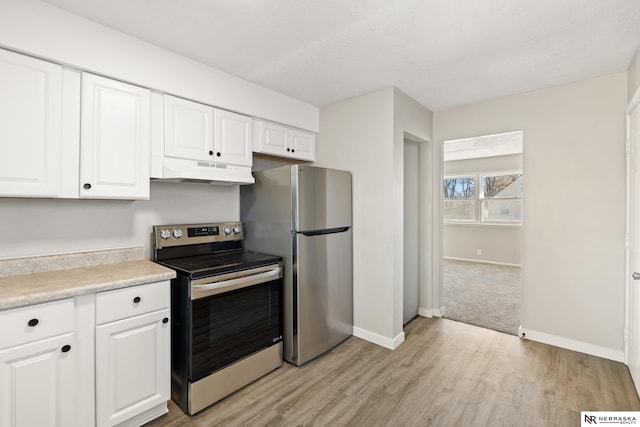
{"x":34,"y":227}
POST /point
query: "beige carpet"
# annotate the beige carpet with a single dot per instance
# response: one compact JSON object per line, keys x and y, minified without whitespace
{"x":485,"y":295}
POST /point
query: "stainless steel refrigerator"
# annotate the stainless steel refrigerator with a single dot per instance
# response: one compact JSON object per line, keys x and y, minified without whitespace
{"x":303,"y":213}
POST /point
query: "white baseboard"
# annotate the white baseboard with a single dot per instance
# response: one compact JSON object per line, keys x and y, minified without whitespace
{"x":579,"y":346}
{"x":425,"y":312}
{"x":390,"y":343}
{"x":482,"y":261}
{"x":431,"y":312}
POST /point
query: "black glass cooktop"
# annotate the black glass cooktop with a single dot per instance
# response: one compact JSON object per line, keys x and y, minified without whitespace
{"x":226,"y":262}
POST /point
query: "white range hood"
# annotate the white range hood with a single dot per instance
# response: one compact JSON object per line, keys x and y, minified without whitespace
{"x":183,"y":170}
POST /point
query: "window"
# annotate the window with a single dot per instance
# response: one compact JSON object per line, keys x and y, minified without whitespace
{"x":498,"y":200}
{"x":502,"y":198}
{"x":460,"y":198}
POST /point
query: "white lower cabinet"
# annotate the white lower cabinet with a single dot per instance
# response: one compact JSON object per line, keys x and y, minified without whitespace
{"x":132,"y":369}
{"x":37,"y":384}
{"x":133,"y":338}
{"x":51,"y":353}
{"x":37,"y":366}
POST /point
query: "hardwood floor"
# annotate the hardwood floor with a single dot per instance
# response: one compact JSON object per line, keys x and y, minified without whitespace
{"x":446,"y":373}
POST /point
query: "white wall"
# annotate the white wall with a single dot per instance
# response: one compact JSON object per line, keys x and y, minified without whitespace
{"x":413,"y":121}
{"x":573,"y":235}
{"x":365,"y":135}
{"x":48,"y":32}
{"x":33,"y":227}
{"x":499,"y":244}
{"x":633,"y":76}
{"x":357,"y":135}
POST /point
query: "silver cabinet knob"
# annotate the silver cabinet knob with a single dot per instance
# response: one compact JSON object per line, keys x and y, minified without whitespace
{"x":636,"y":276}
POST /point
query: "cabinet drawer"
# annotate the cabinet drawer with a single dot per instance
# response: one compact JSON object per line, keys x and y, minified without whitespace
{"x":36,"y":322}
{"x":133,"y":301}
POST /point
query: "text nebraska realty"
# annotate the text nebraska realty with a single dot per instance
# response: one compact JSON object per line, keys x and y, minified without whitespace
{"x":610,"y":419}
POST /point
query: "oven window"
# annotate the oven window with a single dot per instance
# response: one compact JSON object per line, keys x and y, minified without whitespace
{"x":230,"y":326}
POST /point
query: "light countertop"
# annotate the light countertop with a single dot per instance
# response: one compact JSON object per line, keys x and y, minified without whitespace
{"x":27,"y":289}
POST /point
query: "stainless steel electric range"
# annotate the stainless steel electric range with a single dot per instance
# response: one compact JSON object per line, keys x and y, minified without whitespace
{"x":226,"y":310}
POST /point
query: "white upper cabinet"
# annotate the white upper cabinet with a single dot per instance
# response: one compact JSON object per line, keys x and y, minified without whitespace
{"x":276,"y":140}
{"x":188,"y":129}
{"x":200,"y":132}
{"x":271,"y":138}
{"x":115,"y":139}
{"x":30,"y":126}
{"x":232,"y":138}
{"x":303,"y":145}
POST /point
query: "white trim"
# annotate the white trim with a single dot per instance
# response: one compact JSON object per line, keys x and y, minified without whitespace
{"x":425,"y":312}
{"x":483,"y":224}
{"x":627,"y":259}
{"x":431,"y":312}
{"x":635,"y":101}
{"x":390,"y":343}
{"x":481,"y":261}
{"x":582,"y":347}
{"x":633,"y":104}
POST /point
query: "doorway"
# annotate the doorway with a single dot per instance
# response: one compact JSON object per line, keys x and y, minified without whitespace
{"x":633,"y":251}
{"x":482,"y":230}
{"x":411,"y":258}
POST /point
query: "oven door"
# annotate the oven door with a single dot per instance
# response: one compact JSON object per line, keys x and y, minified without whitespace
{"x":233,"y":316}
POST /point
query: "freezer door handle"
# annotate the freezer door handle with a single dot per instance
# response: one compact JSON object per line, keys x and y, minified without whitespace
{"x":325,"y":231}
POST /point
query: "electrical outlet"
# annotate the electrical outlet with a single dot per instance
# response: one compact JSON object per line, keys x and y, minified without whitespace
{"x":478,"y":251}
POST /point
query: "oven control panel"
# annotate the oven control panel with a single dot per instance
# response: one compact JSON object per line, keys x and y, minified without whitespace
{"x":191,"y":234}
{"x":210,"y":230}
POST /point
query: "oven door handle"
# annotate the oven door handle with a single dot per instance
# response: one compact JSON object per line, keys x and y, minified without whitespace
{"x":202,"y":291}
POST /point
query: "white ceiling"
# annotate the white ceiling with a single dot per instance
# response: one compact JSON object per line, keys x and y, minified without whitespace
{"x":443,"y":53}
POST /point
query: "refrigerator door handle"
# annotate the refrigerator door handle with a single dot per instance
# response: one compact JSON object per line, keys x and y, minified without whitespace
{"x":325,"y":231}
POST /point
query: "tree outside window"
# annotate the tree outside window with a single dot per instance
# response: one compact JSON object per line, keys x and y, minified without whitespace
{"x":499,"y":198}
{"x":460,"y":198}
{"x":502,"y":198}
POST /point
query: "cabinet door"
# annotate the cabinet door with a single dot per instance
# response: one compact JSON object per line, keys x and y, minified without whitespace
{"x":115,"y":139}
{"x":272,"y":139}
{"x":30,"y":126}
{"x":232,"y":138}
{"x":132,"y":366}
{"x":37,"y":384}
{"x":303,"y":145}
{"x":188,"y":129}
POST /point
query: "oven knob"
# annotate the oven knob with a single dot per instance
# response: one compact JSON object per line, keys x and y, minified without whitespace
{"x":227,"y":230}
{"x":177,"y":233}
{"x":236,"y":229}
{"x":165,"y":234}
